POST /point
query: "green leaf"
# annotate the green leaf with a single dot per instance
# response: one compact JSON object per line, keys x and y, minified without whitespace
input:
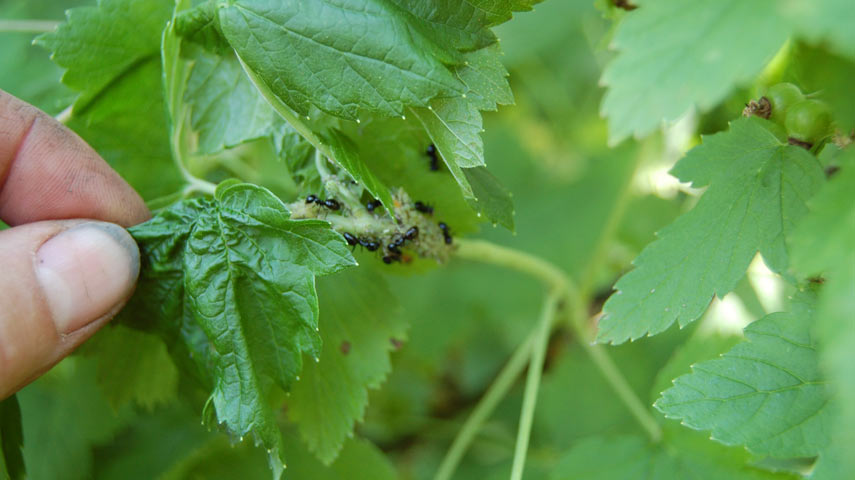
{"x":499,"y":11}
{"x":64,"y":416}
{"x":673,"y":57}
{"x":346,"y":154}
{"x":766,"y":393}
{"x":455,"y":127}
{"x":700,"y":347}
{"x":359,"y":460}
{"x":382,"y":58}
{"x":101,"y":45}
{"x":225,"y":108}
{"x":822,"y":243}
{"x":493,"y":199}
{"x":832,"y":212}
{"x":357,"y":322}
{"x":120,"y":109}
{"x":153,"y":444}
{"x":201,"y":25}
{"x":454,"y":124}
{"x":757,"y":187}
{"x":132,"y":366}
{"x":11,"y":440}
{"x":823,"y":20}
{"x":629,"y":456}
{"x":230,"y":283}
{"x":486,"y":79}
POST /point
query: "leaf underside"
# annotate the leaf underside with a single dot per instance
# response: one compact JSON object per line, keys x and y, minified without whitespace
{"x":766,"y":393}
{"x":757,"y":186}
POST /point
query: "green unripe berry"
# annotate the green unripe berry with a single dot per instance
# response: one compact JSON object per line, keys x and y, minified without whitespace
{"x":808,"y":121}
{"x":782,"y":96}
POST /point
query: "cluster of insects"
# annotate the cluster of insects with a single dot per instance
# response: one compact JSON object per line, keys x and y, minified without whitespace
{"x":408,"y":231}
{"x":392,"y":250}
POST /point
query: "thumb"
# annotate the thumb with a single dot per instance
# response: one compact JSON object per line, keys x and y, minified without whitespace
{"x":59,"y":282}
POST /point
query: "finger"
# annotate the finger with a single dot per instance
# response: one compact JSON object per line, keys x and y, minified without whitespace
{"x":47,"y":172}
{"x":62,"y":280}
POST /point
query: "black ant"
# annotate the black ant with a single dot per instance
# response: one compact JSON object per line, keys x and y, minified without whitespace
{"x":446,"y":232}
{"x":370,"y":206}
{"x":412,"y":233}
{"x":424,"y":208}
{"x":394,"y":247}
{"x":330,"y":203}
{"x":434,"y":159}
{"x":370,"y":245}
{"x":388,"y":259}
{"x":350,"y":238}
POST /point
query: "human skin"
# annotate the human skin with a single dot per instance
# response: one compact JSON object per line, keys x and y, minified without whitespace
{"x":67,"y":265}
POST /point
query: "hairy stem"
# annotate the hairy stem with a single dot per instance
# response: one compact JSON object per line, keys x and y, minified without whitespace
{"x":532,"y":383}
{"x":175,"y":73}
{"x":556,"y":279}
{"x":485,"y":407}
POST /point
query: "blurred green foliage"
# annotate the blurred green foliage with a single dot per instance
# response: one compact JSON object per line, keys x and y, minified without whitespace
{"x":578,"y":204}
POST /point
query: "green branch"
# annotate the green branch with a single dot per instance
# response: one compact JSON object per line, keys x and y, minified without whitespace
{"x":532,"y":384}
{"x":485,"y":407}
{"x":555,"y":278}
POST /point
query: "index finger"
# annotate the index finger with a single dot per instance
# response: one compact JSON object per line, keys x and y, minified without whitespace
{"x":47,"y":172}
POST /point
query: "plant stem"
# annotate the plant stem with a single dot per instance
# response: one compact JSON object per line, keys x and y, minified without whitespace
{"x":28,"y":26}
{"x":485,"y":407}
{"x":618,"y":382}
{"x":556,"y":279}
{"x":532,"y":383}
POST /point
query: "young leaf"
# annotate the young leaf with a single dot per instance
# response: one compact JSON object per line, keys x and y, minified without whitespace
{"x":225,"y":108}
{"x":493,"y":199}
{"x":381,"y":56}
{"x":673,"y":57}
{"x":757,"y":187}
{"x":358,"y":321}
{"x":454,"y":124}
{"x":455,"y":127}
{"x":346,"y":154}
{"x":100,"y":45}
{"x":629,"y":456}
{"x":232,"y":281}
{"x":766,"y":393}
{"x":11,"y":440}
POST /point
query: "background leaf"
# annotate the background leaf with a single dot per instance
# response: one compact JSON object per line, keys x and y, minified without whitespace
{"x":757,"y":188}
{"x":133,"y":25}
{"x":766,"y":394}
{"x":832,"y":212}
{"x":672,"y":57}
{"x":358,"y":323}
{"x":11,"y":440}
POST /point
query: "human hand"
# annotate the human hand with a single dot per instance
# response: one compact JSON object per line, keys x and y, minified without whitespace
{"x":62,"y":277}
